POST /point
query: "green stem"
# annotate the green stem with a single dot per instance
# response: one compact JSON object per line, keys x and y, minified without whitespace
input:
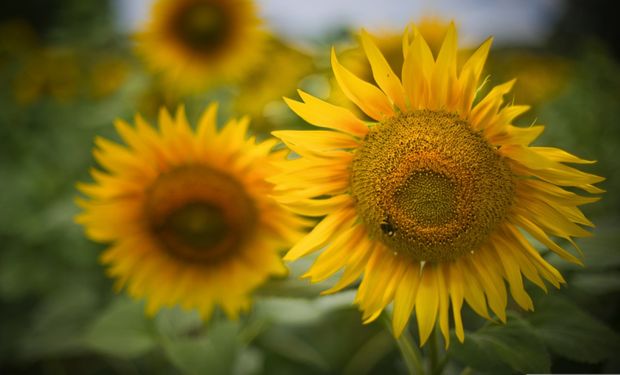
{"x":407,"y":346}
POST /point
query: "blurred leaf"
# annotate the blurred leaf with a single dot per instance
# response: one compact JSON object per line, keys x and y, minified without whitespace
{"x":571,"y":332}
{"x":290,"y":287}
{"x":122,"y":330}
{"x":58,"y":323}
{"x":176,"y":322}
{"x":500,"y":348}
{"x":213,"y":353}
{"x":293,"y":285}
{"x":600,"y":251}
{"x":597,"y":283}
{"x":373,"y":350}
{"x":250,"y":361}
{"x":287,"y":344}
{"x":302,"y":311}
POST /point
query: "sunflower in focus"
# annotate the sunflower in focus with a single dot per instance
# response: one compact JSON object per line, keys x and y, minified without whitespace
{"x":431,"y":202}
{"x":197,"y":43}
{"x":188,"y":213}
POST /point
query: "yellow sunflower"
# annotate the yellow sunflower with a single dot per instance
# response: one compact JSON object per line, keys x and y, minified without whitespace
{"x":188,"y":213}
{"x":432,"y":201}
{"x":196,"y":43}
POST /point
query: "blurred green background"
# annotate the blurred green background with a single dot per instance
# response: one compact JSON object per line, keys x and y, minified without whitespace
{"x":67,"y":71}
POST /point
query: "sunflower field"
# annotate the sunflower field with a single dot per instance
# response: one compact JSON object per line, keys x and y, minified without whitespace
{"x":327,"y":187}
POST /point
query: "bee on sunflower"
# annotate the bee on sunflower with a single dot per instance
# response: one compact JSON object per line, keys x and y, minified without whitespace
{"x":430,"y":203}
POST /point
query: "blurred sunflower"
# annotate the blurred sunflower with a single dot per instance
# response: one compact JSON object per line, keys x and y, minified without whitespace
{"x":17,"y":37}
{"x":188,"y":213}
{"x":541,"y":76}
{"x":196,"y":43}
{"x":269,"y":81}
{"x":107,"y":75}
{"x":154,"y":96}
{"x":53,"y":71}
{"x":430,"y":201}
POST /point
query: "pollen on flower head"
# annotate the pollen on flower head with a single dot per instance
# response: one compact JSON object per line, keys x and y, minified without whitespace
{"x":429,"y":186}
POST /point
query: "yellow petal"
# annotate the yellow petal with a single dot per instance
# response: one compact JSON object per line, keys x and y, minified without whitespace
{"x":319,"y":207}
{"x":427,"y":302}
{"x":320,"y":113}
{"x":542,"y":237}
{"x":405,"y":297}
{"x":456,"y":283}
{"x":444,"y":73}
{"x":356,"y":263}
{"x":207,"y":125}
{"x":510,"y":134}
{"x":559,"y":155}
{"x":366,"y":96}
{"x":334,"y":257}
{"x":444,"y":303}
{"x":485,"y":111}
{"x":383,"y":73}
{"x":317,"y":140}
{"x":495,"y":297}
{"x":470,"y":76}
{"x":513,"y":274}
{"x":322,"y":233}
{"x":417,"y":70}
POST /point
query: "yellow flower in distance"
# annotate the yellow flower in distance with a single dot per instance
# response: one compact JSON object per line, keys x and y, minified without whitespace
{"x":269,"y":81}
{"x":188,"y":213}
{"x":197,"y":43}
{"x":430,"y":201}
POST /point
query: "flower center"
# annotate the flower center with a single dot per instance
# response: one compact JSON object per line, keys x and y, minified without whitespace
{"x":202,"y":26}
{"x":427,"y":185}
{"x":199,"y":214}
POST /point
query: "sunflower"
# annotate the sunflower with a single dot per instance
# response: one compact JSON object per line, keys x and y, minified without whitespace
{"x":196,"y":43}
{"x":188,"y":213}
{"x":431,"y":202}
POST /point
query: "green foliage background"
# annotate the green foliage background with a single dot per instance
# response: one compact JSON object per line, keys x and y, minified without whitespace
{"x":58,"y":311}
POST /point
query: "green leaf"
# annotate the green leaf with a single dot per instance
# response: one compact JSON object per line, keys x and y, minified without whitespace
{"x":176,"y":322}
{"x":301,"y":311}
{"x":250,"y":361}
{"x":287,"y":344}
{"x":215,"y":352}
{"x":59,"y":322}
{"x":597,"y":282}
{"x":123,"y":330}
{"x":571,"y":332}
{"x":503,"y":348}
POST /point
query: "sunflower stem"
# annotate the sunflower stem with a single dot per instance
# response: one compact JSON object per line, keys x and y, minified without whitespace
{"x":407,"y":346}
